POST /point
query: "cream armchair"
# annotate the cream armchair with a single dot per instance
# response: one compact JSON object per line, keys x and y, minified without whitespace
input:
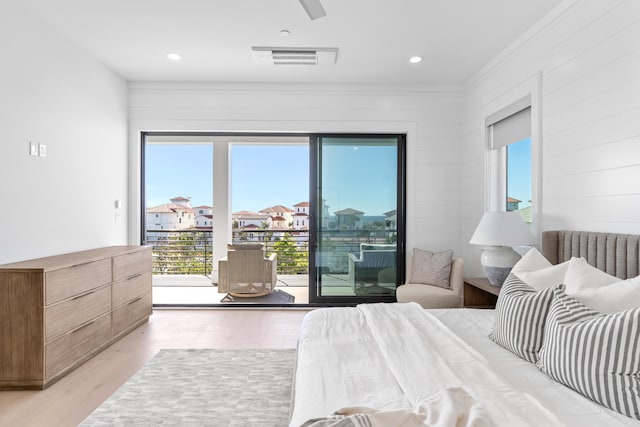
{"x":429,"y":296}
{"x":245,"y":272}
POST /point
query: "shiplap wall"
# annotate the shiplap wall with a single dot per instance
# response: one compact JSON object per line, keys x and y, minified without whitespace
{"x":56,"y":94}
{"x":429,"y":116}
{"x":587,"y":56}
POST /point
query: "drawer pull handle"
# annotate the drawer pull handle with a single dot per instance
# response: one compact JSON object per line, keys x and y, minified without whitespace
{"x":134,"y":301}
{"x":82,"y":327}
{"x":82,"y":296}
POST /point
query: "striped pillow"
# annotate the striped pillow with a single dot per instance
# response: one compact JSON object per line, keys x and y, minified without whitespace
{"x":597,"y":355}
{"x":521,"y":312}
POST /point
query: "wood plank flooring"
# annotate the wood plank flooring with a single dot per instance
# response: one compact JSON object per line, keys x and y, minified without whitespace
{"x":73,"y":398}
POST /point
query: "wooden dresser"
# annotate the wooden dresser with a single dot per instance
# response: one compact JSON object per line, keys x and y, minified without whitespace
{"x":57,"y":312}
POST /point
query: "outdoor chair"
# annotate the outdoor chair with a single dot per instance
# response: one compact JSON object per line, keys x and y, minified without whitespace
{"x":246,"y":272}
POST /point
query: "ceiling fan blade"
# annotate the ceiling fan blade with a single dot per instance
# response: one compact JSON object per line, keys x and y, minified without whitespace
{"x":313,"y":8}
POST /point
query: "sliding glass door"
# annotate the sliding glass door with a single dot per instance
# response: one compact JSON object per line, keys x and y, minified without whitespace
{"x":357,"y":224}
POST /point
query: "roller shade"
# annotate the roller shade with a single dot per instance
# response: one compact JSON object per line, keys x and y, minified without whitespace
{"x":511,"y":124}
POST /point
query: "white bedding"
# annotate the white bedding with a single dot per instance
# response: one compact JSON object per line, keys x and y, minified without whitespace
{"x":393,"y":356}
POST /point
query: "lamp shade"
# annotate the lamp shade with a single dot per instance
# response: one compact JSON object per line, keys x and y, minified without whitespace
{"x":498,"y":232}
{"x":502,"y":229}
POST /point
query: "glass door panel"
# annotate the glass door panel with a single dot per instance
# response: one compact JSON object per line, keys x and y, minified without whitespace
{"x":357,"y":232}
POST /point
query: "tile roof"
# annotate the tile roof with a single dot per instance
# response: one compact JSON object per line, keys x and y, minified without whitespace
{"x":169,"y":208}
{"x":301,"y":205}
{"x":240,"y":213}
{"x":277,"y":208}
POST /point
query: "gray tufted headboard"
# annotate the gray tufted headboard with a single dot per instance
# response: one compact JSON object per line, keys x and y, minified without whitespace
{"x":615,"y":254}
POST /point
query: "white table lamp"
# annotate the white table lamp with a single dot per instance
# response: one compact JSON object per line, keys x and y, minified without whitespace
{"x":498,"y":232}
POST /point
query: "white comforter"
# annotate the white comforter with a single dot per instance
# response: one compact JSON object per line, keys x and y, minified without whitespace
{"x":397,"y":356}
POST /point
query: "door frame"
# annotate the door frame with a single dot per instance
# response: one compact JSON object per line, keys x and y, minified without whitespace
{"x":314,"y":299}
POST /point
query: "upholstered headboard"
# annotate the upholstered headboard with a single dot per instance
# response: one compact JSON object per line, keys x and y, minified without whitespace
{"x":615,"y":254}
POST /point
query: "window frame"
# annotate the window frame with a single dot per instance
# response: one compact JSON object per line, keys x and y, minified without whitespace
{"x":527,"y":94}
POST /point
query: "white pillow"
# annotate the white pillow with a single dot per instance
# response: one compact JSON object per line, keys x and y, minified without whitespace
{"x":581,"y":275}
{"x":545,"y":278}
{"x":536,"y":271}
{"x":613,"y":298}
{"x":533,"y":260}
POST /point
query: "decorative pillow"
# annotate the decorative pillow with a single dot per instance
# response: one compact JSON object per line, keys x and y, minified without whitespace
{"x":521,"y":312}
{"x":581,"y":275}
{"x":536,"y":271}
{"x":431,"y":268}
{"x":595,"y":354}
{"x":613,"y":298}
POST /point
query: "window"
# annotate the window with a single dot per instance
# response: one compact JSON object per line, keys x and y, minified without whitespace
{"x":510,"y":159}
{"x":518,"y":177}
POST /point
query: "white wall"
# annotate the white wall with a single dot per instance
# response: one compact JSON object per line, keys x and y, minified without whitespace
{"x":55,"y":94}
{"x":430,"y":117}
{"x":586,"y":56}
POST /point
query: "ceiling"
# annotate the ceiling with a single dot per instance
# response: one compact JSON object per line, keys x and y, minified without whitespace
{"x":375,"y":38}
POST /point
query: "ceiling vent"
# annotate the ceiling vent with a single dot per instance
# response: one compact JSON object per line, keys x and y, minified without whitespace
{"x":295,"y":55}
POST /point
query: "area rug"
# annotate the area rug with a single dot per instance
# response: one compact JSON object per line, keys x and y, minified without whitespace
{"x":204,"y":387}
{"x":275,"y":297}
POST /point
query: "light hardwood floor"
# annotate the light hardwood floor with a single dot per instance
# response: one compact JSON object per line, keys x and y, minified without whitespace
{"x":74,"y":397}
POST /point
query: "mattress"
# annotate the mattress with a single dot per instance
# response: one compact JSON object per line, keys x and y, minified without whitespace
{"x":340,"y":364}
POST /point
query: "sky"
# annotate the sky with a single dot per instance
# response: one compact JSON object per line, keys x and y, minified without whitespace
{"x":262,"y":175}
{"x":362,"y":177}
{"x":519,"y":171}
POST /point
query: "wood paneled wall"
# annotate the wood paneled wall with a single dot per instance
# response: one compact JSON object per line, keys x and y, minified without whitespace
{"x":588,"y":57}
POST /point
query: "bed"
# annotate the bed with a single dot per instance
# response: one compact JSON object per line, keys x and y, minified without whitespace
{"x":399,"y":358}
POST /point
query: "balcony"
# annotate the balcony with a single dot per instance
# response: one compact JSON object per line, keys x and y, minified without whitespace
{"x":183,"y":261}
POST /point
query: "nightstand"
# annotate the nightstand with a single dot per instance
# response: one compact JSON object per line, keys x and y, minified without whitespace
{"x":479,"y":293}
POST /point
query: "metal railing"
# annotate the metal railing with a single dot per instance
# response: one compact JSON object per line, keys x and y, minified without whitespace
{"x":191,"y":251}
{"x":181,"y":251}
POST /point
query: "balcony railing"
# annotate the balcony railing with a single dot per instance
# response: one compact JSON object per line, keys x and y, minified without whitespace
{"x":181,"y":251}
{"x":191,"y":251}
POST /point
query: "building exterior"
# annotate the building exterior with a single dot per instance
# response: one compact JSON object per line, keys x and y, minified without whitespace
{"x":301,"y":216}
{"x":279,"y":211}
{"x":246,"y":219}
{"x":348,"y":219}
{"x":204,"y":221}
{"x":513,"y":204}
{"x":177,"y":215}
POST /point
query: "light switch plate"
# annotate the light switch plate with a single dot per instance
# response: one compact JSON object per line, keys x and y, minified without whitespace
{"x":42,"y":149}
{"x":33,"y":149}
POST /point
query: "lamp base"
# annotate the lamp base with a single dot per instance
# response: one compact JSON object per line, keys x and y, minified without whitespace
{"x":497,"y":262}
{"x":496,"y":275}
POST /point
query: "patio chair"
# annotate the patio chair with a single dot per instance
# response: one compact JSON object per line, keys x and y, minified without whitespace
{"x":246,"y":272}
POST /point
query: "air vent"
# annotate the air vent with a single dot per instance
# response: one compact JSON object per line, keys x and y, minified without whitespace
{"x":294,"y":55}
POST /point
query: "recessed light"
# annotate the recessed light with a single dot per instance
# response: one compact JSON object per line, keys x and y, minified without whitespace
{"x":415,"y":59}
{"x":174,"y":57}
{"x":285,"y":33}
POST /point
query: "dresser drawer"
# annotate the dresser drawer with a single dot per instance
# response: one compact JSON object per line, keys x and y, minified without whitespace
{"x":72,"y":313}
{"x":67,"y":282}
{"x":128,"y":265}
{"x":126,"y":290}
{"x":125,"y":316}
{"x":72,"y":346}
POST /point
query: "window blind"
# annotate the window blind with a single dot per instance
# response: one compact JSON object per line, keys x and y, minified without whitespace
{"x":511,"y":124}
